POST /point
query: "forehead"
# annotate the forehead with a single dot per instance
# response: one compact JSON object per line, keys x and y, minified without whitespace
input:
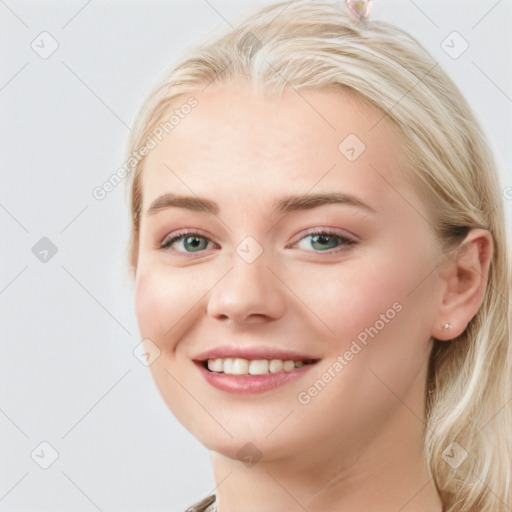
{"x":239,"y":144}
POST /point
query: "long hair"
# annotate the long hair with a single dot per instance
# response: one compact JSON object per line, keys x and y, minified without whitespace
{"x":316,"y":44}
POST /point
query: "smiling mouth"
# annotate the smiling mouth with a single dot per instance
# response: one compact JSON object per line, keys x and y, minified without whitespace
{"x":240,"y":366}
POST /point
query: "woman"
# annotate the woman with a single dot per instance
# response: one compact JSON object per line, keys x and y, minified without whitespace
{"x":320,"y":263}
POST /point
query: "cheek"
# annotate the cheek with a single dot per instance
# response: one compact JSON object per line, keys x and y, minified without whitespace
{"x":155,"y":304}
{"x":350,"y":296}
{"x":385,"y":296}
{"x":165,"y":302}
{"x":381,"y":334}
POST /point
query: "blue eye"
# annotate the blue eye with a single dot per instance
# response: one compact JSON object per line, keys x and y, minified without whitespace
{"x":194,"y":241}
{"x":323,"y":241}
{"x":327,"y":240}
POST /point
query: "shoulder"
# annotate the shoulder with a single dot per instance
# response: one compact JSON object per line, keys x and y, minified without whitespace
{"x":205,"y":505}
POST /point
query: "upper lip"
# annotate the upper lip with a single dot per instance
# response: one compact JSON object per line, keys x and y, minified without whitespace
{"x":259,"y":352}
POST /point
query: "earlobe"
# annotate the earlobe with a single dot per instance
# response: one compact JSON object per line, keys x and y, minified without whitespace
{"x":464,"y":281}
{"x":446,"y":331}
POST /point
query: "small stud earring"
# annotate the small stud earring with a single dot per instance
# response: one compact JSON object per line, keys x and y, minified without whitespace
{"x":447,"y":326}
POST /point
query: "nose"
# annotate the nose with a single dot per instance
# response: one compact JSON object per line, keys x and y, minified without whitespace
{"x":249,"y":293}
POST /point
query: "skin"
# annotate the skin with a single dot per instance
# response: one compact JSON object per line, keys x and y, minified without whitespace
{"x":357,"y":445}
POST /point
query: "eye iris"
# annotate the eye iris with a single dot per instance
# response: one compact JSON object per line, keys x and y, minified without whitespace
{"x":195,"y":241}
{"x":323,"y":239}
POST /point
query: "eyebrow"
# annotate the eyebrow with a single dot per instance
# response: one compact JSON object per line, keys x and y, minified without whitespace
{"x":280,"y":206}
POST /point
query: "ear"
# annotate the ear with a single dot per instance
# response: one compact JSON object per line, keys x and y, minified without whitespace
{"x":463,"y":278}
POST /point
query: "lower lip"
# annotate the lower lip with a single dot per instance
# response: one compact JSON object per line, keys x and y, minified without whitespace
{"x":249,"y":384}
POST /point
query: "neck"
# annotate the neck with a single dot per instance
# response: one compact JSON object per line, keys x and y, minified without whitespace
{"x":387,"y":474}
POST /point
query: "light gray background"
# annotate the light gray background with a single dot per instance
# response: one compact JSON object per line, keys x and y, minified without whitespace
{"x":69,"y":376}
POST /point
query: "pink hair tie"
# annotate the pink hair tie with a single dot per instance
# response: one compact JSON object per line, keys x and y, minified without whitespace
{"x":360,"y":8}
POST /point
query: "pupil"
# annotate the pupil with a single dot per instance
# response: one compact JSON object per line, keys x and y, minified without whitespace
{"x":323,"y":239}
{"x":193,"y":241}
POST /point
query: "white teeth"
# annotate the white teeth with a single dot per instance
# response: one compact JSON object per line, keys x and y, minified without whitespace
{"x":238,"y":366}
{"x":288,"y":366}
{"x":228,"y":365}
{"x":275,"y":365}
{"x":258,"y":367}
{"x":215,"y":365}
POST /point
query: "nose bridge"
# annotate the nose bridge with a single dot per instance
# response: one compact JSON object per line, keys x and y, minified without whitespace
{"x":249,"y":289}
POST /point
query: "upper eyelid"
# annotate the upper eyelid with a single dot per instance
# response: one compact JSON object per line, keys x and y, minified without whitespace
{"x":185,"y":232}
{"x":342,"y":233}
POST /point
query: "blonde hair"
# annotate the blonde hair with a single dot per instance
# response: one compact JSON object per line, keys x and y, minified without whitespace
{"x":316,"y":44}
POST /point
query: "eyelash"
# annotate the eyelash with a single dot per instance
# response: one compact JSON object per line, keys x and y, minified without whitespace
{"x":345,"y":242}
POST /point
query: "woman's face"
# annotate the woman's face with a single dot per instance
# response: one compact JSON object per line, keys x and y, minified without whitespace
{"x":360,"y":300}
